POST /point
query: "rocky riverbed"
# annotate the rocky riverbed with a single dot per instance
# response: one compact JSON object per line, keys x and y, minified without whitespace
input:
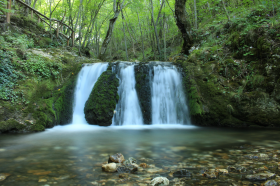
{"x":77,"y":163}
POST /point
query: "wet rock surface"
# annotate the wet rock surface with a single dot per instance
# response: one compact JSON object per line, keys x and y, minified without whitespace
{"x":143,"y":87}
{"x":116,"y":158}
{"x":3,"y":176}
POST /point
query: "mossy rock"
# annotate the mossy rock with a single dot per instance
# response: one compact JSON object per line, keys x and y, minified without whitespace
{"x":99,"y":108}
{"x":144,"y":90}
{"x":11,"y":125}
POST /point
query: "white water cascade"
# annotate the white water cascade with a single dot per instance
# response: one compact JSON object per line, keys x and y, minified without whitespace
{"x":86,"y":80}
{"x":168,"y":100}
{"x":128,"y":111}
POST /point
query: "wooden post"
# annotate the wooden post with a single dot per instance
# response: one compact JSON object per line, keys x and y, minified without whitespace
{"x":73,"y":38}
{"x":39,"y":20}
{"x":57,"y":29}
{"x":9,"y":7}
{"x":68,"y":41}
{"x":31,"y":13}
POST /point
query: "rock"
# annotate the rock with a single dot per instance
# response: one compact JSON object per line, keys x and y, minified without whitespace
{"x":3,"y":176}
{"x":110,"y":167}
{"x":124,"y":175}
{"x":144,"y":165}
{"x":154,"y":170}
{"x":143,"y":88}
{"x":127,"y":168}
{"x":211,"y":175}
{"x":159,"y":181}
{"x":224,"y":171}
{"x":116,"y":158}
{"x":236,"y":169}
{"x":271,"y":183}
{"x":263,"y":155}
{"x":100,"y":106}
{"x":260,"y":176}
{"x":42,"y":180}
{"x":182,"y":173}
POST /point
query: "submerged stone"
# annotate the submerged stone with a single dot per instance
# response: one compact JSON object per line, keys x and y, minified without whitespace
{"x":159,"y":181}
{"x":271,"y":183}
{"x":260,"y":176}
{"x":110,"y":167}
{"x":116,"y":158}
{"x":3,"y":176}
{"x":182,"y":173}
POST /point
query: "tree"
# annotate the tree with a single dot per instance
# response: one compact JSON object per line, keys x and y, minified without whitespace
{"x":117,"y":8}
{"x":183,"y":25}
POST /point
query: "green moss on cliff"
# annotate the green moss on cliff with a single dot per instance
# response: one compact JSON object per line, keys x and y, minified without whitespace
{"x":11,"y":125}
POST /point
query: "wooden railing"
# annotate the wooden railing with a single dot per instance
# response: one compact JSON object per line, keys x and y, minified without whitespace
{"x":45,"y":19}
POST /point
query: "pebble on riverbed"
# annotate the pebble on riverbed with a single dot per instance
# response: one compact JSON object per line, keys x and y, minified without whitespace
{"x":3,"y":176}
{"x":159,"y":181}
{"x":124,"y":166}
{"x":116,"y":158}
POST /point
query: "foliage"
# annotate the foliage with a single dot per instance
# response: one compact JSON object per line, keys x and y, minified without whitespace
{"x":42,"y":68}
{"x":9,"y":77}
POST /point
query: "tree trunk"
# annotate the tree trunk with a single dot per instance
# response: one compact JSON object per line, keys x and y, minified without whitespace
{"x":195,"y":14}
{"x":155,"y":28}
{"x":183,"y":25}
{"x":51,"y":20}
{"x":117,"y":8}
{"x":124,"y":39}
{"x":141,"y":37}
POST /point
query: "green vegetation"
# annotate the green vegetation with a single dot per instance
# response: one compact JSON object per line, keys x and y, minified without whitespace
{"x":231,"y":75}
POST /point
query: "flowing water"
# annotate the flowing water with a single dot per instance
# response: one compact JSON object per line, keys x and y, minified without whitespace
{"x":128,"y":110}
{"x":73,"y":154}
{"x":168,"y":99}
{"x":86,"y":80}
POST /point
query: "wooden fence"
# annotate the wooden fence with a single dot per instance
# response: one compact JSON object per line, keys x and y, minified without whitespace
{"x":45,"y":19}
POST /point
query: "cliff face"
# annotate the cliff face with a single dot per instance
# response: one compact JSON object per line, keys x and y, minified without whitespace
{"x":232,"y":78}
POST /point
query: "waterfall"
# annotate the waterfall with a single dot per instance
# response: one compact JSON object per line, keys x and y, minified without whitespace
{"x":168,"y":99}
{"x":128,"y":111}
{"x":86,"y":80}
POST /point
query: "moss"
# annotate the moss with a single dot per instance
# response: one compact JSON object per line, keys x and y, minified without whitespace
{"x":99,"y":108}
{"x":44,"y":42}
{"x":143,"y":90}
{"x":11,"y":125}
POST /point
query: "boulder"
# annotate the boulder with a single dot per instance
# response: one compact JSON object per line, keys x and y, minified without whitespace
{"x":99,"y":108}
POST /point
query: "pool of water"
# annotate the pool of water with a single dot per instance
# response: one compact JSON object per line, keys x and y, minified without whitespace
{"x":73,"y":155}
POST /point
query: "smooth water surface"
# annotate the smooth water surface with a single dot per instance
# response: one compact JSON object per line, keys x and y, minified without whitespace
{"x":66,"y":155}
